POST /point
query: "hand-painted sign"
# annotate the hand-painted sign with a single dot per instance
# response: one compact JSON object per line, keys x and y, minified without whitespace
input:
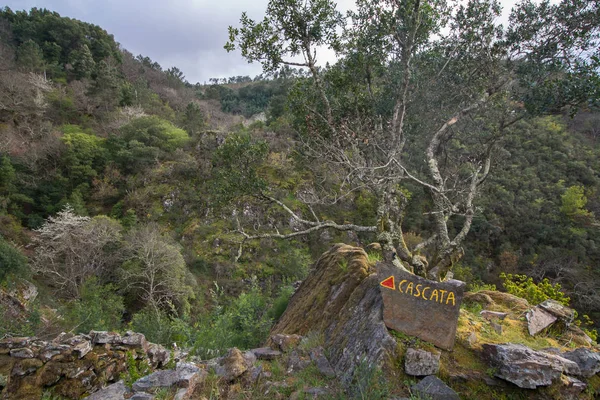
{"x":419,"y":307}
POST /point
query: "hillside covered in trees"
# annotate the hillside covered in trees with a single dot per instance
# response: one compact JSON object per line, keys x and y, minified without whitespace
{"x":134,"y":199}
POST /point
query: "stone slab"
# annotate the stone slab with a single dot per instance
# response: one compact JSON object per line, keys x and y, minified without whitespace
{"x":420,"y":307}
{"x":538,"y":319}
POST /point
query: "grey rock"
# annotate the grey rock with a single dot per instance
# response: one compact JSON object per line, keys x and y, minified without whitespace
{"x":316,"y":392}
{"x":493,"y":315}
{"x":563,"y":313}
{"x":188,"y":372}
{"x":134,"y":339}
{"x":185,"y":376}
{"x":525,"y":367}
{"x":62,"y":337}
{"x":158,"y":355}
{"x":249,"y":357}
{"x":75,"y":371}
{"x":52,"y":350}
{"x":158,"y":379}
{"x":26,"y":366}
{"x":419,"y":362}
{"x":266,"y":353}
{"x":538,"y":319}
{"x":496,"y":327}
{"x":143,"y":396}
{"x":286,"y":342}
{"x":296,"y":362}
{"x":104,"y":337}
{"x":182,"y":394}
{"x":587,"y":360}
{"x":472,"y":339}
{"x":571,"y":388}
{"x":318,"y":357}
{"x":231,"y":365}
{"x":14,"y":342}
{"x":363,"y":338}
{"x":81,"y":345}
{"x":22,"y":352}
{"x":255,"y":373}
{"x":116,"y":391}
{"x":433,"y":388}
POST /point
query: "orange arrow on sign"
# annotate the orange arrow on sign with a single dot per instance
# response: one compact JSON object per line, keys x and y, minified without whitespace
{"x":388,"y":283}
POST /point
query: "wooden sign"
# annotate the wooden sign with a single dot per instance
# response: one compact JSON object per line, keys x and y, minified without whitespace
{"x":419,"y":307}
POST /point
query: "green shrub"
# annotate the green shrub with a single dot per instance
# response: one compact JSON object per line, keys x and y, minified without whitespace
{"x":12,"y":262}
{"x":368,"y":382}
{"x":244,"y":324}
{"x":26,"y":324}
{"x":99,"y":308}
{"x":135,"y":369}
{"x":281,"y":302}
{"x":160,"y":327}
{"x":535,"y":293}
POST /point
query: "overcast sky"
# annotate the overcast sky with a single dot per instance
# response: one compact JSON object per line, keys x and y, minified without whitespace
{"x":189,"y":34}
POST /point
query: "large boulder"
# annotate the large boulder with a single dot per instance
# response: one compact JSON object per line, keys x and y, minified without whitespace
{"x":341,"y":299}
{"x":525,"y":367}
{"x":587,"y":360}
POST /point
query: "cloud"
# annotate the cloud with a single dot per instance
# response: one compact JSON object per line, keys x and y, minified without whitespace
{"x":182,"y":33}
{"x":188,"y":34}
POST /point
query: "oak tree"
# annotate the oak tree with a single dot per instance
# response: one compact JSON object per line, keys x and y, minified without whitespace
{"x":422,"y":91}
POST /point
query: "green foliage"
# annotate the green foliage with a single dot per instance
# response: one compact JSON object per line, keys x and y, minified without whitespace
{"x":193,"y":118}
{"x":84,"y":155}
{"x":26,"y":323}
{"x":30,"y":56}
{"x":99,"y":308}
{"x":373,"y":257}
{"x":144,"y":140}
{"x":573,"y":203}
{"x":12,"y":262}
{"x":368,"y":382}
{"x":10,"y":197}
{"x":244,"y":324}
{"x":82,"y":62}
{"x":236,"y":166}
{"x":478,"y":287}
{"x":106,"y":86}
{"x":292,"y":261}
{"x":535,"y":293}
{"x":280,"y":303}
{"x":136,"y":369}
{"x":249,"y":319}
{"x":56,"y":38}
{"x":162,"y":327}
{"x":154,"y":271}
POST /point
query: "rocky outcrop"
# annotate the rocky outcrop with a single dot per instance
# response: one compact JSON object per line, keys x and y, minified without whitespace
{"x":70,"y":365}
{"x":587,"y":360}
{"x":341,"y":299}
{"x":527,"y":368}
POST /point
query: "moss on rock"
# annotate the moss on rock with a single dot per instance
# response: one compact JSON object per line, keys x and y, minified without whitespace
{"x":320,"y":298}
